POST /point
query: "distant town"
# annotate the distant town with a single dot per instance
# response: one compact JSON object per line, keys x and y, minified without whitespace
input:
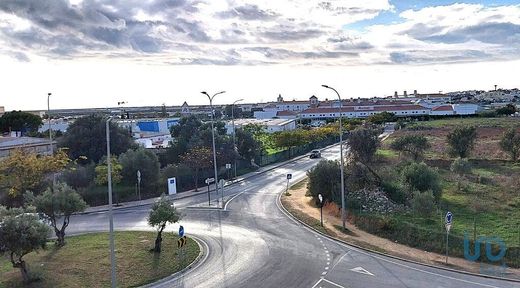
{"x":150,"y":125}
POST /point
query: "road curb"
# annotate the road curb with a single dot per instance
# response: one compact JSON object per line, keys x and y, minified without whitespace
{"x":203,"y":192}
{"x":289,"y":214}
{"x":186,"y":269}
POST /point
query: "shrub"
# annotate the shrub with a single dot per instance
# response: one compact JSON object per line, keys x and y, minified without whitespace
{"x":394,"y":192}
{"x":423,"y":203}
{"x":80,"y":176}
{"x":144,"y":161}
{"x":413,"y":145}
{"x":324,"y":179}
{"x":420,"y":177}
{"x":462,"y":140}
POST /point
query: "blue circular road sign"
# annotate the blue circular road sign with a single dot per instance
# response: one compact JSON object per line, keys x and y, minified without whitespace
{"x":448,"y":218}
{"x":181,"y":231}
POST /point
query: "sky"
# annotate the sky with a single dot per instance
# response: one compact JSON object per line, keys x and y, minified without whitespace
{"x":95,"y":53}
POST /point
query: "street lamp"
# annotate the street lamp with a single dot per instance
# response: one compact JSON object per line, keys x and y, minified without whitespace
{"x":110,"y":212}
{"x":49,"y":120}
{"x":321,"y":208}
{"x":233,"y":121}
{"x":213,"y":139}
{"x":343,"y":212}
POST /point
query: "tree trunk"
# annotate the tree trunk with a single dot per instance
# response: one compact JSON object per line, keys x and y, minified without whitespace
{"x":23,"y":268}
{"x":196,"y":179}
{"x":158,"y":240}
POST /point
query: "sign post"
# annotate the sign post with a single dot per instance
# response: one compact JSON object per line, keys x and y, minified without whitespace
{"x":289,"y":177}
{"x":321,"y":208}
{"x":209,"y":181}
{"x":447,"y":223}
{"x":139,"y":184}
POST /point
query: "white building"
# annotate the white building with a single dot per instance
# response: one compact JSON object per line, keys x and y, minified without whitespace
{"x":275,"y":114}
{"x":363,"y":111}
{"x":270,"y":125}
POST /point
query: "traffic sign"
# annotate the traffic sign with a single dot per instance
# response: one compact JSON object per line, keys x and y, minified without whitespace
{"x":448,"y":218}
{"x":209,"y":180}
{"x":138,"y":176}
{"x":289,"y":176}
{"x":320,"y":197}
{"x":181,"y":242}
{"x":181,"y":231}
{"x":228,"y":166}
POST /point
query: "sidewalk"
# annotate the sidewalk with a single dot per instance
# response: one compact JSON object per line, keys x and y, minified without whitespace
{"x":202,"y":190}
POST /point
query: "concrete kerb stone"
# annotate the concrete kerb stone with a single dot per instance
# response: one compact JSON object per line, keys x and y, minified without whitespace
{"x":197,"y":261}
{"x":193,"y":194}
{"x":289,"y":214}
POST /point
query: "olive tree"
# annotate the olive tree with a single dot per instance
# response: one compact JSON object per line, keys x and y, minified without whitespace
{"x":161,"y":214}
{"x":510,"y":143}
{"x":462,"y":140}
{"x":420,"y":177}
{"x":20,"y":234}
{"x":58,"y":205}
{"x":460,"y":167}
{"x":413,"y":145}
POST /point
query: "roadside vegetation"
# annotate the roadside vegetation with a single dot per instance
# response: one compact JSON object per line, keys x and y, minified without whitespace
{"x":402,"y":188}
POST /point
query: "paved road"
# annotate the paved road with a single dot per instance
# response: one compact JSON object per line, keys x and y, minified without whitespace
{"x":254,"y":244}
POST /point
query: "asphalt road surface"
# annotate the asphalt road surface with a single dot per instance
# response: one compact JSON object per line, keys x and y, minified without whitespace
{"x":252,"y":243}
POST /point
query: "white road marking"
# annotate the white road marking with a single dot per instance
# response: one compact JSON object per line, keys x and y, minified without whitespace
{"x":361,"y":270}
{"x":327,"y":281}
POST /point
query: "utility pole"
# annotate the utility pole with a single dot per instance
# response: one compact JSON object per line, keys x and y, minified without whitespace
{"x":234,"y":140}
{"x":213,"y":138}
{"x":343,"y":211}
{"x":110,"y":212}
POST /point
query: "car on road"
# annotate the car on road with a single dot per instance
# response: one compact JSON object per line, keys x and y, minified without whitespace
{"x":315,"y":154}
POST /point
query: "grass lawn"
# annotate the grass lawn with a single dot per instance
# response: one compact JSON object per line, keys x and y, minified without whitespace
{"x":501,"y":122}
{"x":85,"y":262}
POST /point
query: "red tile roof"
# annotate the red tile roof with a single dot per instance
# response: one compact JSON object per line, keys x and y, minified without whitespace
{"x":365,"y":109}
{"x":443,"y":108}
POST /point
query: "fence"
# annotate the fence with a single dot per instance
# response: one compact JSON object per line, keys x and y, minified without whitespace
{"x":431,"y":240}
{"x":292,"y":152}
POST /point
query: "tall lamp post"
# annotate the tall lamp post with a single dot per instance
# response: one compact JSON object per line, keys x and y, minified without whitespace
{"x":49,"y":120}
{"x":343,"y":212}
{"x":233,"y":123}
{"x":213,"y":139}
{"x":110,"y":212}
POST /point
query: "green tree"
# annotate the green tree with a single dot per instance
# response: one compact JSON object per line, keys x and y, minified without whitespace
{"x":58,"y":204}
{"x":24,"y":170}
{"x":237,"y":111}
{"x":20,"y":234}
{"x":102,"y":172}
{"x":462,"y":140}
{"x":413,"y":145}
{"x":287,"y":139}
{"x":363,"y":144}
{"x":141,"y":160}
{"x":461,"y":167}
{"x":87,"y":137}
{"x":20,"y":121}
{"x":509,"y":109}
{"x":247,"y":146}
{"x":510,"y":143}
{"x":420,"y":177}
{"x":196,"y":159}
{"x":324,"y":179}
{"x":161,"y":214}
{"x":381,"y":118}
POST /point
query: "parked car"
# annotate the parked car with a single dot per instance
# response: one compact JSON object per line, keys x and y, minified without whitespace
{"x":315,"y":154}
